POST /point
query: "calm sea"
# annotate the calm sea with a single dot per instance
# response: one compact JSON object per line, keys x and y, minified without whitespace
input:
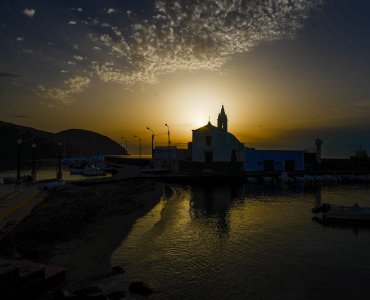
{"x":248,"y":242}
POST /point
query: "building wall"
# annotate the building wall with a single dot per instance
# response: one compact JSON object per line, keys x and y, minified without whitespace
{"x":165,"y":153}
{"x":257,"y":160}
{"x":222,"y":145}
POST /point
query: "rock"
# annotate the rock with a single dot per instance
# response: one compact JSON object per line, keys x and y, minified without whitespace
{"x":117,"y":295}
{"x":139,"y":287}
{"x":63,"y":294}
{"x":92,"y":292}
{"x":168,"y":191}
{"x":117,"y":270}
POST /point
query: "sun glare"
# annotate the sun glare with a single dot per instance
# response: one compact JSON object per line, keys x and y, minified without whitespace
{"x":197,"y":103}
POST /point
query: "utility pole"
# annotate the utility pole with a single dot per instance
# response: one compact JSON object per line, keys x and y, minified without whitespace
{"x":59,"y":173}
{"x":126,"y":145}
{"x":139,"y":145}
{"x":33,"y":174}
{"x":19,"y":142}
{"x":152,"y":141}
{"x":169,"y":141}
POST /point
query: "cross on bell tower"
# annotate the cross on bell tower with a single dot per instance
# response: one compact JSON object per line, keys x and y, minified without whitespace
{"x":222,"y":120}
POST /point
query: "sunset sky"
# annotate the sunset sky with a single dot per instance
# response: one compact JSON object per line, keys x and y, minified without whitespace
{"x":287,"y":71}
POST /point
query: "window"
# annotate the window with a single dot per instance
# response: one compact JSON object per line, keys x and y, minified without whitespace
{"x":208,"y":157}
{"x":233,"y":156}
{"x":208,"y":140}
{"x":289,"y":165}
{"x":268,"y":165}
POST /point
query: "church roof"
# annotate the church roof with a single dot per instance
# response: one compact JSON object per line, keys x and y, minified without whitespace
{"x":208,"y":126}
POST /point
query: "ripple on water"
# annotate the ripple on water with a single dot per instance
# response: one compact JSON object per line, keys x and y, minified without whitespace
{"x":228,"y":242}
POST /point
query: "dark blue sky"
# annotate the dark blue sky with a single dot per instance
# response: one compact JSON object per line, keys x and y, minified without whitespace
{"x":290,"y":70}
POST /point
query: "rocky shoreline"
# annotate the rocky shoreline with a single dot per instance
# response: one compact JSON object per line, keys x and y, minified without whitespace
{"x":79,"y":227}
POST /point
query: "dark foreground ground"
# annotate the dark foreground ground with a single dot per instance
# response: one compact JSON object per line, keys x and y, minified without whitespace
{"x":79,"y":227}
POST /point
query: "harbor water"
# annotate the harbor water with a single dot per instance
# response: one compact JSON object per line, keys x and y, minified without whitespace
{"x":248,"y":242}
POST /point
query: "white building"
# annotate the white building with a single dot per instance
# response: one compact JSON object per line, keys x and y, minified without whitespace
{"x":215,"y":144}
{"x":273,"y":160}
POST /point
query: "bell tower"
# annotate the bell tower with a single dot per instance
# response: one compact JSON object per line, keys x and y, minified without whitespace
{"x":222,"y":120}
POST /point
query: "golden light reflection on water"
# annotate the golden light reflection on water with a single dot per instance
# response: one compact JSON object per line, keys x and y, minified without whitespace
{"x":211,"y":242}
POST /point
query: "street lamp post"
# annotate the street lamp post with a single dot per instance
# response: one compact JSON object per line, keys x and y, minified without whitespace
{"x":59,"y":173}
{"x":126,"y":144}
{"x":19,"y":142}
{"x":152,"y":141}
{"x":33,"y":174}
{"x":139,"y":145}
{"x":169,"y":140}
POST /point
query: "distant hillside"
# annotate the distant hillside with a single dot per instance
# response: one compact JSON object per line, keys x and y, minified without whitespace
{"x":83,"y":142}
{"x":75,"y":142}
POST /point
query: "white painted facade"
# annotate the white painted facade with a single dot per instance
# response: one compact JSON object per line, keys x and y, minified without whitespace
{"x":215,"y":144}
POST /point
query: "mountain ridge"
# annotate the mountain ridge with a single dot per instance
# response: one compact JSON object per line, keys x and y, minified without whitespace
{"x":75,"y":142}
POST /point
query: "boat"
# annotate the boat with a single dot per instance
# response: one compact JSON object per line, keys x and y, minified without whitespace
{"x":284,"y":177}
{"x":308,"y":178}
{"x":268,"y":179}
{"x":9,"y":179}
{"x":24,"y":178}
{"x":354,"y":213}
{"x":155,"y":170}
{"x":75,"y":162}
{"x":92,"y":171}
{"x":299,"y":178}
{"x":54,"y":185}
{"x":252,"y":179}
{"x":98,"y":161}
{"x":75,"y":171}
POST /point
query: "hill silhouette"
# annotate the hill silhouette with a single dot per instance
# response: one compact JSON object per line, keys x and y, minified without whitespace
{"x":87,"y":143}
{"x":75,"y":142}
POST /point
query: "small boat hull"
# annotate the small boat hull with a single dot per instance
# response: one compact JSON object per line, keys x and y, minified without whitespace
{"x":341,"y":213}
{"x":93,"y":171}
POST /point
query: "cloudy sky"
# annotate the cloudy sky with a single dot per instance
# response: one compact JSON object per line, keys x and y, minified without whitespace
{"x":287,"y":71}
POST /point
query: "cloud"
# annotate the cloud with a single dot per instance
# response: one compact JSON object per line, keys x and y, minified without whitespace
{"x":111,"y":10}
{"x":72,"y":23}
{"x":78,"y":58}
{"x":183,"y":36}
{"x":30,"y":12}
{"x":5,"y":74}
{"x":77,"y":84}
{"x":20,"y":39}
{"x":28,"y":51}
{"x":197,"y":35}
{"x":73,"y":85}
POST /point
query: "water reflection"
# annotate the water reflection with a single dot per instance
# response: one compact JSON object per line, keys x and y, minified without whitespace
{"x":247,"y":242}
{"x":214,"y":203}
